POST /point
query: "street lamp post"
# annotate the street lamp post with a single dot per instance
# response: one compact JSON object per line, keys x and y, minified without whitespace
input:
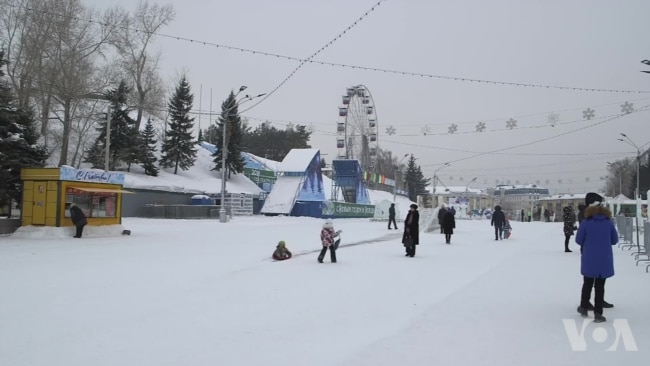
{"x":435,"y":197}
{"x":637,"y":193}
{"x":467,"y":192}
{"x":224,"y":147}
{"x":398,"y":171}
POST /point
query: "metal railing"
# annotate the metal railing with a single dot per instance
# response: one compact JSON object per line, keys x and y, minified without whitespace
{"x":181,"y":211}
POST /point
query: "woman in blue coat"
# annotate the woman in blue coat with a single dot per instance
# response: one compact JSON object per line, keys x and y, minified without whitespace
{"x":596,"y":236}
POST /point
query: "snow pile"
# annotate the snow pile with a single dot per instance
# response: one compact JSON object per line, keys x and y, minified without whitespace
{"x":200,"y":179}
{"x":46,"y":232}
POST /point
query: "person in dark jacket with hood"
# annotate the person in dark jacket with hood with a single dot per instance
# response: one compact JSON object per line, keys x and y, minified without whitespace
{"x":498,"y":219}
{"x":441,"y":216}
{"x":391,"y":216}
{"x":411,"y":236}
{"x":78,"y":219}
{"x":596,"y":236}
{"x":569,"y":226}
{"x":581,"y":213}
{"x":448,"y":225}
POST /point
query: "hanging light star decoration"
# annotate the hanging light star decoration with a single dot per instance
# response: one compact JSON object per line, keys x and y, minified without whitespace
{"x":511,"y":123}
{"x":588,"y":114}
{"x":453,"y":128}
{"x":390,"y":130}
{"x":553,"y":119}
{"x":627,"y":108}
{"x":425,"y":130}
{"x":480,"y":127}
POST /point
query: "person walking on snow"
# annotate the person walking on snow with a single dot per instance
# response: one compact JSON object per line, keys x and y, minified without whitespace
{"x":569,"y":219}
{"x":327,"y":236}
{"x":391,"y":216}
{"x":442,"y":211}
{"x":448,"y":225}
{"x":78,"y":219}
{"x":498,"y":219}
{"x":411,"y":236}
{"x":596,"y":236}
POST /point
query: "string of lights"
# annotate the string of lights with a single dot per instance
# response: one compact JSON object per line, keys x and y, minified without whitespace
{"x":644,"y":108}
{"x":302,"y":62}
{"x":342,"y":65}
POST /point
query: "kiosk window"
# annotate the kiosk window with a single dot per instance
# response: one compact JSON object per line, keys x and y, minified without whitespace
{"x":93,"y":204}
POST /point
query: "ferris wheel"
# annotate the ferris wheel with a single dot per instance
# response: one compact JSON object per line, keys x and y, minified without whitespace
{"x":356,"y":128}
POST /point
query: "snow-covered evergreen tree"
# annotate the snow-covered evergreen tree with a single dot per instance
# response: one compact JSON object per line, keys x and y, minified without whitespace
{"x":125,"y":146}
{"x":148,"y":158}
{"x":18,"y":142}
{"x":179,"y":148}
{"x":234,"y":134}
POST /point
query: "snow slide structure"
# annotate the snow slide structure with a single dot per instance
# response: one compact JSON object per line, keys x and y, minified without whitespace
{"x":299,"y":189}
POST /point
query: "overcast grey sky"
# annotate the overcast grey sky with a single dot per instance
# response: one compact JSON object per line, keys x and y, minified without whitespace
{"x":578,"y":43}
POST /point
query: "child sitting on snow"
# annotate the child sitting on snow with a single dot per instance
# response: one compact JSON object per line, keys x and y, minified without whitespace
{"x":281,"y":252}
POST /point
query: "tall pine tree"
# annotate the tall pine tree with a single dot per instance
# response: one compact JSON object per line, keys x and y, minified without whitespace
{"x":179,"y":148}
{"x":18,"y":142}
{"x":148,"y":158}
{"x":416,"y":183}
{"x":125,"y":145}
{"x":234,"y":135}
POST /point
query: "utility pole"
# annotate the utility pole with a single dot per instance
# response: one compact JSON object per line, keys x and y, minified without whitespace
{"x":107,"y":156}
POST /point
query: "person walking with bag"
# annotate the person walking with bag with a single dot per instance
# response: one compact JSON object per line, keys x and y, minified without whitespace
{"x":411,"y":236}
{"x":596,"y":236}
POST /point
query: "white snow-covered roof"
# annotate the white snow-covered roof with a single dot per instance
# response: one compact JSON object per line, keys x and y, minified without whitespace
{"x":564,"y":196}
{"x":297,"y":160}
{"x":270,"y":164}
{"x":454,"y":190}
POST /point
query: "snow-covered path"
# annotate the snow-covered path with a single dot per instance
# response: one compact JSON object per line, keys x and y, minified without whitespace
{"x":205,"y":293}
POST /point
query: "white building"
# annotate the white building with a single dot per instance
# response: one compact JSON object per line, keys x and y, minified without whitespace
{"x":514,"y":198}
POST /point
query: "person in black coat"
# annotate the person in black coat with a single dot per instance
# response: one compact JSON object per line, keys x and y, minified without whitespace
{"x":441,"y":216}
{"x":581,"y":213}
{"x":448,"y":225}
{"x":78,"y":219}
{"x":498,"y":219}
{"x":569,"y":226}
{"x":391,"y":216}
{"x":411,"y":236}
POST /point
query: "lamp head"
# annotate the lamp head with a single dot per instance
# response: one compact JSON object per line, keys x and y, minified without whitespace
{"x":242,"y":88}
{"x":624,"y":135}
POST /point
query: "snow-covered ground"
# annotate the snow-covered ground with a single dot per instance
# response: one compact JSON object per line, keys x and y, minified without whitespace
{"x":204,"y":293}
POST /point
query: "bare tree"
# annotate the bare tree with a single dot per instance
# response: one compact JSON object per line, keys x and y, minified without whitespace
{"x":133,"y":40}
{"x":75,"y":60}
{"x":56,"y":48}
{"x":619,"y":177}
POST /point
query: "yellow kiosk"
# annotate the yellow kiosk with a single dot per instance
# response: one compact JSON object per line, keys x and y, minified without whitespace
{"x":48,"y":193}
